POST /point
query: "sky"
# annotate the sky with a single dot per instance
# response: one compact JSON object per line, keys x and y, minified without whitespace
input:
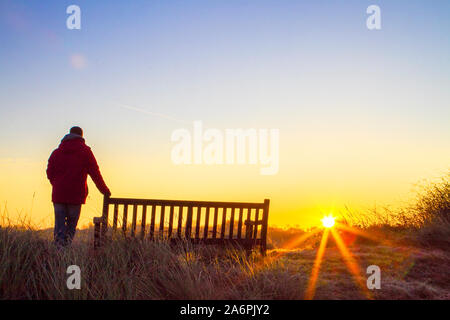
{"x":362,"y":114}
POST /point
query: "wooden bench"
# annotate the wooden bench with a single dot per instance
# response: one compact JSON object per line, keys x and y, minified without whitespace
{"x":208,"y":222}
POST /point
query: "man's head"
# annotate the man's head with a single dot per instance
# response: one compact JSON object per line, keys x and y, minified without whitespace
{"x":76,"y":130}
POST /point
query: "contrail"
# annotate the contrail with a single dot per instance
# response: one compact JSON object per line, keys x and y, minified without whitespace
{"x":156,"y":114}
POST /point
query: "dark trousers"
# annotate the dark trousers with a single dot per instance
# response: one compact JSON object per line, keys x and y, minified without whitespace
{"x":66,"y":219}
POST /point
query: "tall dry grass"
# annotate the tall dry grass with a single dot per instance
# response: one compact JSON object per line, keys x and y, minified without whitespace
{"x":31,"y":267}
{"x":425,"y":221}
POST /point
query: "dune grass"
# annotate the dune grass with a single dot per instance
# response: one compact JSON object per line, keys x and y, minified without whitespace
{"x":33,"y":268}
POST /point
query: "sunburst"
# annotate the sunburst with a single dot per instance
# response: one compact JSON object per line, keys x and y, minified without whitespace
{"x":330,"y":225}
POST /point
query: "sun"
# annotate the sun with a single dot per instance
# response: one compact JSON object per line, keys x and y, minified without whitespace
{"x":328,"y":221}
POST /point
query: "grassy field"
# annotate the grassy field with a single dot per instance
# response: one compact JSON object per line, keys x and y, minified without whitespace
{"x":411,"y":247}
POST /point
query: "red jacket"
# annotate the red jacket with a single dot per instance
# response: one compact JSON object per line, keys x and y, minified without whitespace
{"x":67,"y":170}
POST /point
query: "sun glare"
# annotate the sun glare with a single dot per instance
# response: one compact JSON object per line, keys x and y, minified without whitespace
{"x":328,"y":221}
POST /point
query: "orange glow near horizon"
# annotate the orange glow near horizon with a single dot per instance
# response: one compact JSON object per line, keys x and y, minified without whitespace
{"x":362,"y":233}
{"x":26,"y":192}
{"x":299,"y":240}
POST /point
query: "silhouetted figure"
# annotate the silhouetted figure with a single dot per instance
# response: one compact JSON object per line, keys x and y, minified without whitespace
{"x":67,"y":170}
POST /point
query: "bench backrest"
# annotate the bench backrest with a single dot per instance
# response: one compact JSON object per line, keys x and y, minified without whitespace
{"x":209,"y":222}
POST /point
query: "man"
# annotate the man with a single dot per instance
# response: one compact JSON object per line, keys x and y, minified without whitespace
{"x":67,"y":170}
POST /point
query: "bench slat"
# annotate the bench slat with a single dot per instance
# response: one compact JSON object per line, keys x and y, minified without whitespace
{"x":144,"y":217}
{"x":224,"y":222}
{"x":152,"y":222}
{"x":124,"y":219}
{"x":255,"y":227}
{"x":188,"y":229}
{"x":264,"y":226}
{"x":214,"y":231}
{"x":161,"y":221}
{"x":233,"y":211}
{"x":248,"y":227}
{"x":115,"y":217}
{"x":133,"y":223}
{"x":169,"y":234}
{"x":180,"y":221}
{"x":197,"y":223}
{"x":206,"y":226}
{"x":239,"y":231}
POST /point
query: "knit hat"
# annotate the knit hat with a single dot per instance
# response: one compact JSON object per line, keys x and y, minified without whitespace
{"x":76,"y":130}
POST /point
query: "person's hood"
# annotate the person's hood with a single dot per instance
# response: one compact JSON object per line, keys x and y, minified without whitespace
{"x":71,"y":136}
{"x":71,"y":143}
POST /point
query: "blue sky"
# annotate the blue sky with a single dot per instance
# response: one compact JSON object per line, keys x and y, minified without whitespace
{"x":312,"y":69}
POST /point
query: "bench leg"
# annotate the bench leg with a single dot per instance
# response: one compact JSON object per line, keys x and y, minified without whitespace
{"x":263,"y":250}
